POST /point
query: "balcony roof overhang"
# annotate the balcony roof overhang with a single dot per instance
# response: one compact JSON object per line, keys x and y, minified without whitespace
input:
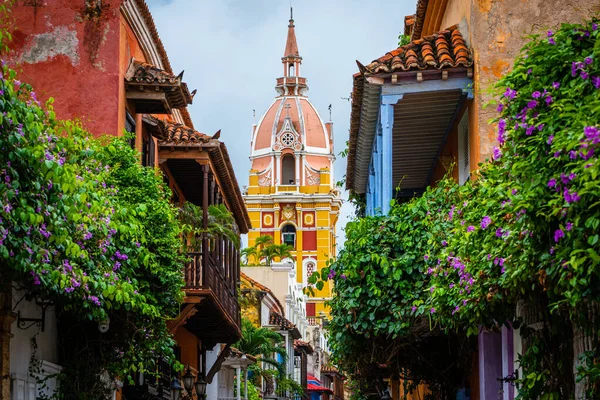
{"x":183,"y":149}
{"x":154,"y":90}
{"x":427,"y":83}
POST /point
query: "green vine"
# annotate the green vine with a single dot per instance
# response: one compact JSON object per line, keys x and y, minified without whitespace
{"x":85,"y":226}
{"x":517,"y":246}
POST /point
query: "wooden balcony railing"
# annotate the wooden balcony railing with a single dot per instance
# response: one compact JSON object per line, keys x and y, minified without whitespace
{"x":218,"y":272}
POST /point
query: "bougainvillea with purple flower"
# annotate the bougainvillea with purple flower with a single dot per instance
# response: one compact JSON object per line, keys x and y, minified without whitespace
{"x":78,"y":228}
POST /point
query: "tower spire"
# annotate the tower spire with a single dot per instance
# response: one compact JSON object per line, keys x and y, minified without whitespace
{"x":291,"y":46}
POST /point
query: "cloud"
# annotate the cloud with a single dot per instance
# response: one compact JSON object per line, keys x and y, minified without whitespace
{"x":231,"y":52}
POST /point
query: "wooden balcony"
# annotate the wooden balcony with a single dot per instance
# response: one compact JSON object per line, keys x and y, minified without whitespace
{"x":211,"y":285}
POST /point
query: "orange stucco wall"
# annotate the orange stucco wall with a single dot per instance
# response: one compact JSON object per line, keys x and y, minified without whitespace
{"x":68,"y":54}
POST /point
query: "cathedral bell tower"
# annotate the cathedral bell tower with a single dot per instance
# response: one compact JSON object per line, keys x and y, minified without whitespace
{"x":291,"y":194}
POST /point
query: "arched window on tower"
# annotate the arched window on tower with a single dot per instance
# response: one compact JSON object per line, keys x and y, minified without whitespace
{"x":291,"y":70}
{"x":288,"y":235}
{"x":288,"y":170}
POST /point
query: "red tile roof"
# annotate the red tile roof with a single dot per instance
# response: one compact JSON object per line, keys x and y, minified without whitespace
{"x":419,"y":18}
{"x":277,"y":319}
{"x":444,"y":49}
{"x":300,"y":344}
{"x":172,"y":133}
{"x":143,"y":74}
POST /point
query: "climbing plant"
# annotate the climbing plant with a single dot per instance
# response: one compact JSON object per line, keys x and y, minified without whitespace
{"x":519,"y":245}
{"x":85,"y":226}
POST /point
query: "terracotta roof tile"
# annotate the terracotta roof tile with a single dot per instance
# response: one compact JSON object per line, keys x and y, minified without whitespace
{"x":277,"y":319}
{"x":445,"y":49}
{"x":300,"y":344}
{"x":142,"y":74}
{"x":419,"y":18}
{"x":172,"y":133}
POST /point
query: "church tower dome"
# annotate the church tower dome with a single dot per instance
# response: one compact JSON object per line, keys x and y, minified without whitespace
{"x":292,"y":125}
{"x":291,"y":195}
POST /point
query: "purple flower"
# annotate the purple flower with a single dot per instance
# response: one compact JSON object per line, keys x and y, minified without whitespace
{"x":470,"y":228}
{"x":510,"y":93}
{"x":414,"y":308}
{"x":529,"y":71}
{"x":432,"y":310}
{"x":500,"y":107}
{"x":497,"y":154}
{"x":343,"y":276}
{"x":584,"y":75}
{"x":591,"y":133}
{"x":455,"y":310}
{"x":532,"y":104}
{"x":68,"y":267}
{"x":571,"y":197}
{"x":550,"y":33}
{"x":558,"y":234}
{"x":536,"y":94}
{"x":485,"y":222}
{"x":529,"y":131}
{"x":87,"y":236}
{"x":596,"y":81}
{"x":426,"y":257}
{"x":36,"y":278}
{"x":569,"y":226}
{"x":594,"y":26}
{"x":552,"y":183}
{"x":444,"y":243}
{"x":572,"y":154}
{"x":549,"y":100}
{"x":499,"y":232}
{"x":551,"y":40}
{"x":95,"y":300}
{"x":556,"y":85}
{"x":588,"y":60}
{"x":556,"y":154}
{"x":432,"y":289}
{"x":331,"y":274}
{"x":44,"y":232}
{"x":550,"y":139}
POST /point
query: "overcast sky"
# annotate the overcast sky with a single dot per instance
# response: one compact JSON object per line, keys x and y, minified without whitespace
{"x":231,"y":52}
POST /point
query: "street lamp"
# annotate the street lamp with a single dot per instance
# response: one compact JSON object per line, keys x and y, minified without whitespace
{"x":188,"y":380}
{"x":201,"y":387}
{"x":189,"y":385}
{"x":175,"y":389}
